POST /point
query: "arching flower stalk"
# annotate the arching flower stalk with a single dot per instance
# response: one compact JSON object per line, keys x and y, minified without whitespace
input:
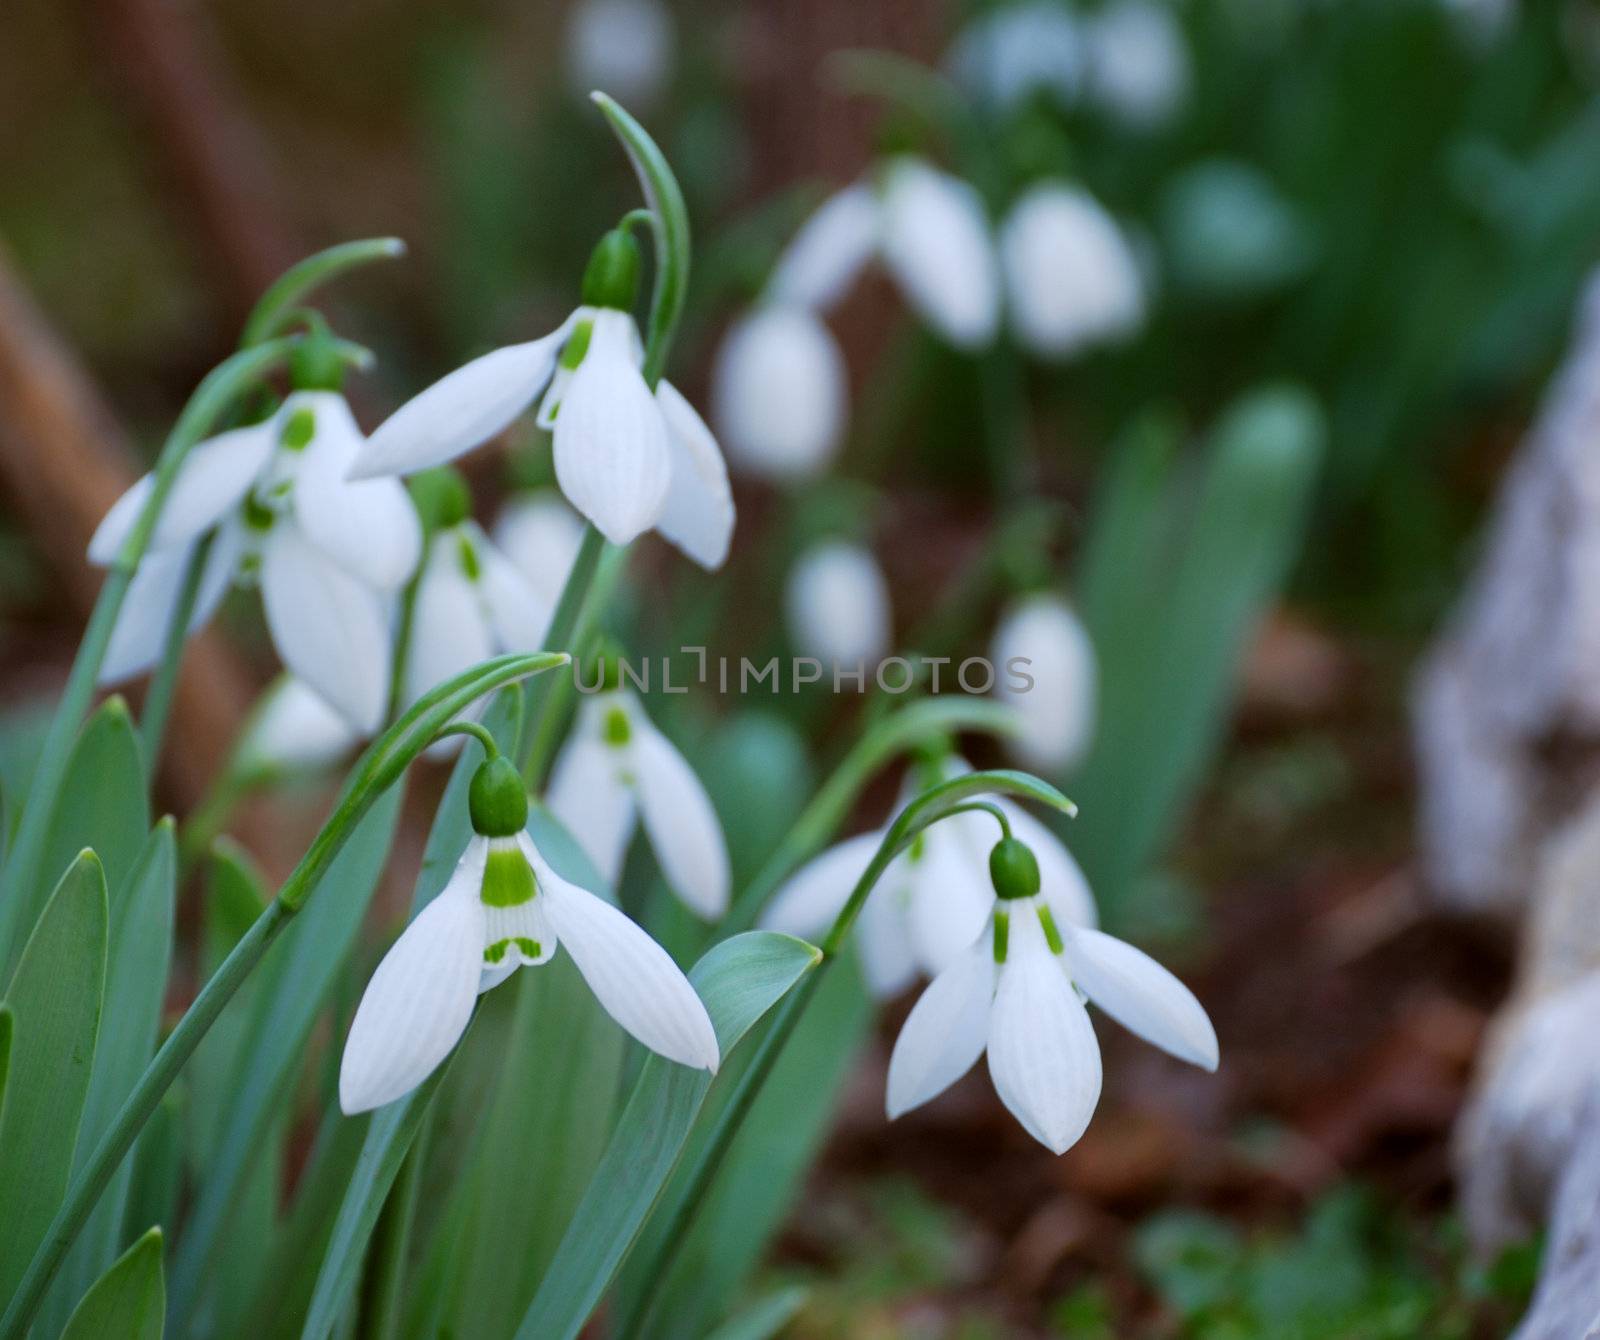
{"x":617,"y":769}
{"x":628,"y":458}
{"x":506,"y":908}
{"x":1017,"y":992}
{"x":327,"y":554}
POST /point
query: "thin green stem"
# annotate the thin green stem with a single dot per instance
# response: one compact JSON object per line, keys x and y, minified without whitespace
{"x":476,"y":730}
{"x":158,"y":697}
{"x":276,"y":307}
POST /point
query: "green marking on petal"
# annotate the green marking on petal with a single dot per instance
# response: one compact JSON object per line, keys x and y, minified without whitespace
{"x":617,"y":731}
{"x":299,"y":430}
{"x":918,"y":848}
{"x":507,"y":878}
{"x":469,"y":559}
{"x":527,"y":946}
{"x":1002,"y":935}
{"x":1052,"y":936}
{"x":257,"y":515}
{"x":577,"y":345}
{"x":497,"y":951}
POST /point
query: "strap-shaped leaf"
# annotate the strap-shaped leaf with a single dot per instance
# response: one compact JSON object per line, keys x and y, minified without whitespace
{"x":55,"y":996}
{"x":764,"y":1319}
{"x":136,"y":984}
{"x":739,"y":980}
{"x":128,"y":1302}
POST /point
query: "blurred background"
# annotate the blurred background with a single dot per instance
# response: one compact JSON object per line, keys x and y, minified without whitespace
{"x":1362,"y":229}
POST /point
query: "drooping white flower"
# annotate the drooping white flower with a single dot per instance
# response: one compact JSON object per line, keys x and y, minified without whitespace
{"x":934,"y":898}
{"x":778,"y":391}
{"x":471,"y":604}
{"x":837,"y":605}
{"x":328,"y":553}
{"x":623,"y":47}
{"x":1072,"y":280}
{"x":505,"y":908}
{"x":615,"y":769}
{"x":931,"y":233}
{"x":293,"y":730}
{"x":628,"y":458}
{"x":1008,"y":54}
{"x":1017,"y":991}
{"x":1138,"y":64}
{"x":1045,"y":669}
{"x":541,"y":535}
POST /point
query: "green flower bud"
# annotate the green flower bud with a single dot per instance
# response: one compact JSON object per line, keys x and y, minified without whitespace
{"x":496,"y":800}
{"x":314,"y":363}
{"x":441,"y":497}
{"x":1013,"y":869}
{"x":612,"y":276}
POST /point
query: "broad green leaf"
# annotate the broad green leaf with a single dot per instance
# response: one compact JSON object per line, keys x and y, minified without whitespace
{"x":136,"y":984}
{"x":739,"y":980}
{"x":551,"y":1113}
{"x":128,"y":1302}
{"x":755,"y":1189}
{"x":298,"y":973}
{"x":55,"y":997}
{"x":763,"y":1320}
{"x":101,"y":806}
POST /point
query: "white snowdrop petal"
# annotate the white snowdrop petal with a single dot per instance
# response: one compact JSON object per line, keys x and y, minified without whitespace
{"x":517,"y":617}
{"x":778,"y":393}
{"x":1142,"y":996}
{"x":210,"y":482}
{"x":1072,"y":278}
{"x":417,"y":1004}
{"x":1138,"y":63}
{"x":1062,"y":883}
{"x":680,"y":820}
{"x":949,"y":892}
{"x":633,"y":977}
{"x":330,"y":629}
{"x":936,"y":243}
{"x":541,"y":536}
{"x":946,"y":1031}
{"x":449,"y":633}
{"x":1005,"y":55}
{"x":370,"y":526}
{"x":622,"y":46}
{"x":829,"y":251}
{"x":808,"y":901}
{"x":882,"y":943}
{"x":698,"y":513}
{"x":1043,"y":1056}
{"x":612,"y":450}
{"x":1045,"y":669}
{"x":462,"y":410}
{"x":140,"y":631}
{"x":294,"y":729}
{"x":836,"y":604}
{"x":591,"y":801}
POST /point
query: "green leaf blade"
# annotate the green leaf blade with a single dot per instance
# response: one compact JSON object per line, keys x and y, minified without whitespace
{"x":128,"y":1302}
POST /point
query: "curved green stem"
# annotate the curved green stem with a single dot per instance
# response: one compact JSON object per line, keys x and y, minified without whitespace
{"x":378,"y":769}
{"x":277,"y":305}
{"x":476,"y":730}
{"x":937,"y":803}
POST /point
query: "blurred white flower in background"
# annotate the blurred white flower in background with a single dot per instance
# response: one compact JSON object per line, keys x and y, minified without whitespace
{"x":1045,"y":640}
{"x":1072,"y":279}
{"x":1229,"y":233}
{"x":1018,"y":992}
{"x":1006,"y":55}
{"x":836,"y":605}
{"x":615,"y":769}
{"x":293,"y":730}
{"x":929,"y":230}
{"x":778,"y":393}
{"x":1138,"y":62}
{"x":934,"y":898}
{"x":541,"y":536}
{"x":329,"y":554}
{"x":622,"y":47}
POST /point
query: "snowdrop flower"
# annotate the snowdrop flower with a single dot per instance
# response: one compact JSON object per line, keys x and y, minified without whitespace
{"x":837,"y":605}
{"x":471,"y":602}
{"x":1017,"y":991}
{"x":541,"y":535}
{"x":1138,"y":63}
{"x":627,"y":458}
{"x":930,"y":231}
{"x":293,"y":730}
{"x":616,"y":768}
{"x":933,"y":899}
{"x":622,"y":46}
{"x":1045,"y":670}
{"x":1072,"y":280}
{"x":778,"y":392}
{"x":505,"y":908}
{"x":328,"y":554}
{"x":1007,"y":55}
